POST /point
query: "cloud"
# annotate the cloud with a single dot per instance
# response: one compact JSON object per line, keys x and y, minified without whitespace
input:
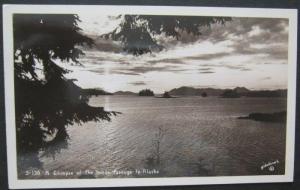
{"x":206,"y":72}
{"x":102,"y":44}
{"x":138,"y":83}
{"x":265,"y":39}
{"x":232,"y":66}
{"x":242,"y":45}
{"x":205,"y":69}
{"x":241,"y":32}
{"x":266,"y":78}
{"x":236,"y":67}
{"x":184,"y":59}
{"x":245,"y":69}
{"x":124,"y":72}
{"x":167,"y":60}
{"x":245,"y":34}
{"x":254,"y":29}
{"x":209,"y":56}
{"x":268,"y":63}
{"x":137,"y":70}
{"x":259,"y":36}
{"x":98,"y":71}
{"x":273,"y":51}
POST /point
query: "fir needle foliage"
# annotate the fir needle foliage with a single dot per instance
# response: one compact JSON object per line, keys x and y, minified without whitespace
{"x":46,"y":101}
{"x":137,"y":32}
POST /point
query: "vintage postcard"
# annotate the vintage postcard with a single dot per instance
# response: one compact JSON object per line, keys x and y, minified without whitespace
{"x":103,"y":96}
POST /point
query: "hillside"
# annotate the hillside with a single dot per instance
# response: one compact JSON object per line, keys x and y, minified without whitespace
{"x":241,"y":91}
{"x":124,"y":93}
{"x":190,"y":91}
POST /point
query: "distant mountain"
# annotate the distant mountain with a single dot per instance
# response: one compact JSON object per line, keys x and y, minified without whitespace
{"x":184,"y":91}
{"x":190,"y":91}
{"x":239,"y":91}
{"x":124,"y":93}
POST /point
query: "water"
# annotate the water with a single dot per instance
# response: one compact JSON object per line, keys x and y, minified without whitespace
{"x":188,"y":136}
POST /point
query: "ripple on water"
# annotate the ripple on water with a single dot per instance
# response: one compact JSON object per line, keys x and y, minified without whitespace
{"x":196,"y":137}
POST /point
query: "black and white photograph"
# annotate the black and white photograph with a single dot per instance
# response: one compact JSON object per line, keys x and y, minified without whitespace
{"x":114,"y":93}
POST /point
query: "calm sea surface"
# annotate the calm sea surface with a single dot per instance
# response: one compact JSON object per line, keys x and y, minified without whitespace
{"x":188,"y":136}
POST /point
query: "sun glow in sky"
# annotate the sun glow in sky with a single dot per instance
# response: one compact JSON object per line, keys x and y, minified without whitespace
{"x":249,"y":52}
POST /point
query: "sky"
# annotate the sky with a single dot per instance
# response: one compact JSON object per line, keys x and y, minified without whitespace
{"x":248,"y":52}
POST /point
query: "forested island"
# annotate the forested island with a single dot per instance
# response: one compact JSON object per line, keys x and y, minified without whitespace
{"x":166,"y":95}
{"x":276,"y":117}
{"x":146,"y":92}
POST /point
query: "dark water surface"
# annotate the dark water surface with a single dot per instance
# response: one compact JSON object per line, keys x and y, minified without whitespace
{"x":188,"y":136}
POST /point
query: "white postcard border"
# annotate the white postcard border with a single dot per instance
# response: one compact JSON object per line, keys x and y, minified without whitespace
{"x":15,"y":183}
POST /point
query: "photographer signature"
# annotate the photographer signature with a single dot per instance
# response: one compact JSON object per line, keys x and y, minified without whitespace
{"x":270,"y":165}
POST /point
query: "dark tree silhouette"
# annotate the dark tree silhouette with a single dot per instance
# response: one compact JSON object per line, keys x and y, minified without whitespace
{"x":166,"y":95}
{"x":146,"y":92}
{"x":46,"y":102}
{"x":137,"y":32}
{"x":204,"y":94}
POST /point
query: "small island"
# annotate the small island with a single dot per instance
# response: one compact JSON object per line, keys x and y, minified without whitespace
{"x":204,"y":94}
{"x":146,"y":92}
{"x":166,"y":95}
{"x":276,"y":117}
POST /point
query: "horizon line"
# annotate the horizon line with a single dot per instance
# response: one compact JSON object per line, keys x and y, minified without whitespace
{"x":216,"y":88}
